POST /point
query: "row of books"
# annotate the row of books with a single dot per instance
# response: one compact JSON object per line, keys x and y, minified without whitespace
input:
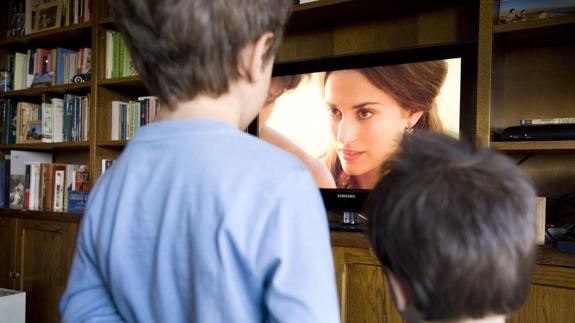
{"x":55,"y":120}
{"x":118,"y":60}
{"x":45,"y":67}
{"x":29,"y":16}
{"x":127,"y":117}
{"x":29,"y":180}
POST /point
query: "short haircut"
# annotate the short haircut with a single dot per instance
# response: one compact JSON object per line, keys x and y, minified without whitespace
{"x":457,"y":225}
{"x":183,"y":48}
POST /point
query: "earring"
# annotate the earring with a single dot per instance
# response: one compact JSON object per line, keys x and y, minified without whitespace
{"x":408,"y":130}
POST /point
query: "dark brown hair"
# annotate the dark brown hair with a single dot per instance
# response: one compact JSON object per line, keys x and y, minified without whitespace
{"x":182,"y":48}
{"x":414,"y":86}
{"x":457,"y":225}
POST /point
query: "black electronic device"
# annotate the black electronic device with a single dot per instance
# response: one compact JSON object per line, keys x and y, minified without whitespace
{"x":296,"y":122}
{"x":539,"y":132}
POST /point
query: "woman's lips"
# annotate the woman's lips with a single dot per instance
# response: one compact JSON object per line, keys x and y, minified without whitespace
{"x":350,"y":155}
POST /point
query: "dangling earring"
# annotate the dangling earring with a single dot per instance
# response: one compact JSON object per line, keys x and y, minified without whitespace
{"x":408,"y":130}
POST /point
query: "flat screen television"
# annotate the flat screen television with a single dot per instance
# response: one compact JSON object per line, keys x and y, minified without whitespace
{"x":344,"y":115}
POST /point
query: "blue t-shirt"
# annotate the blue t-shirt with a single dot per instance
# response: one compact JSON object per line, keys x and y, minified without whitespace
{"x":199,"y":222}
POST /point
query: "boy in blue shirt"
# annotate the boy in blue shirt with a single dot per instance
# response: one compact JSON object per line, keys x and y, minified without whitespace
{"x":197,"y":221}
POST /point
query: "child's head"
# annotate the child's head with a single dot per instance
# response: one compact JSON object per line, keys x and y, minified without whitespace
{"x":454,"y":229}
{"x":186,"y":48}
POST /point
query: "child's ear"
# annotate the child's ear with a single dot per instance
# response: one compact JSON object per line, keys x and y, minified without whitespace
{"x":402,"y":296}
{"x":252,"y":59}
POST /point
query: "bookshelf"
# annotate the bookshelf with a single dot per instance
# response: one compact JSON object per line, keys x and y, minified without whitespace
{"x":525,"y":70}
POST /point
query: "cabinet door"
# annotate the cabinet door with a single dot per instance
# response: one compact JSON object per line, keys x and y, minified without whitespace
{"x":44,"y":251}
{"x":363,"y":293}
{"x":551,"y":298}
{"x":7,"y":231}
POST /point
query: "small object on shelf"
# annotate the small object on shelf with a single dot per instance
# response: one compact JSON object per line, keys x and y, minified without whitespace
{"x":33,"y":131}
{"x":512,"y":11}
{"x":566,"y":246}
{"x":81,"y":78}
{"x":48,"y":16}
{"x":539,"y":132}
{"x":546,"y":121}
{"x":5,"y":81}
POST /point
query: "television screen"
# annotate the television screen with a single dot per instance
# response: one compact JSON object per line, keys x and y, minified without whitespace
{"x":344,"y":116}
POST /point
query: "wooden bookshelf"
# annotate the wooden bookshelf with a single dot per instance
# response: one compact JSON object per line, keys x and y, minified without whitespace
{"x":78,"y":35}
{"x":42,"y":215}
{"x":525,"y":70}
{"x":37,"y":92}
{"x":113,"y":143}
{"x":554,"y":31}
{"x":58,"y":146}
{"x":536,"y":147}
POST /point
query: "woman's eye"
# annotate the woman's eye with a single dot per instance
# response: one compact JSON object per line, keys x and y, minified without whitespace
{"x":364,"y":114}
{"x":333,"y":112}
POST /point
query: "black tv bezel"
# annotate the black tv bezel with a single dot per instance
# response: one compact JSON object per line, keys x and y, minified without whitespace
{"x":467,"y":52}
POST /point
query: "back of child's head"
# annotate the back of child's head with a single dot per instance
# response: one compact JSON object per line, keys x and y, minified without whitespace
{"x":455,"y":226}
{"x":183,"y":48}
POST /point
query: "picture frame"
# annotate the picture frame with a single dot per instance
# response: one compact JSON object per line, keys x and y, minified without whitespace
{"x":33,"y":131}
{"x":47,"y":16}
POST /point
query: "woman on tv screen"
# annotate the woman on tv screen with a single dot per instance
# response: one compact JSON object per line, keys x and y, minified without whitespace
{"x":371,"y":109}
{"x":344,"y":124}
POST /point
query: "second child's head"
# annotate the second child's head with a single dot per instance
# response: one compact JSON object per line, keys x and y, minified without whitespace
{"x":454,"y":228}
{"x":186,"y":48}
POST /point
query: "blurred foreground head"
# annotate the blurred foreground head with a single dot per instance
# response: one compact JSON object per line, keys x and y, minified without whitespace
{"x":454,"y":228}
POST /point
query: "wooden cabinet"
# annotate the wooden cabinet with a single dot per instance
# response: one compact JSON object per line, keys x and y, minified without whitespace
{"x":36,"y":257}
{"x":363,"y":293}
{"x":551,"y":298}
{"x":7,"y":239}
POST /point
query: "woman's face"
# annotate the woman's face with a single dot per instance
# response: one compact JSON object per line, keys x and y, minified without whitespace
{"x":366,"y":123}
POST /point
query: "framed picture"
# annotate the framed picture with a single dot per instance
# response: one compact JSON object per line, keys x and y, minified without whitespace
{"x":47,"y":16}
{"x":33,"y":131}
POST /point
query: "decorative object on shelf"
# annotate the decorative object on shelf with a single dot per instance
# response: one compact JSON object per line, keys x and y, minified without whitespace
{"x":512,"y":11}
{"x":33,"y":131}
{"x":43,"y":79}
{"x":5,"y":80}
{"x":16,"y":18}
{"x":79,"y":78}
{"x":48,"y":16}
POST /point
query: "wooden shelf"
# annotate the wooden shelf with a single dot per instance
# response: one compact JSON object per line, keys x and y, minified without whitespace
{"x":41,"y":215}
{"x":36,"y":92}
{"x":108,"y":22}
{"x":48,"y":146}
{"x":546,"y":255}
{"x":129,"y":83}
{"x":333,"y":12}
{"x":540,"y":147}
{"x":79,"y":35}
{"x":536,"y":33}
{"x":113,"y":143}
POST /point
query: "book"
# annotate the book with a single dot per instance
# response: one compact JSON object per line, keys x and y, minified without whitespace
{"x":59,"y":182}
{"x":534,"y":122}
{"x":106,"y":163}
{"x":18,"y":161}
{"x":47,"y":122}
{"x":77,"y":201}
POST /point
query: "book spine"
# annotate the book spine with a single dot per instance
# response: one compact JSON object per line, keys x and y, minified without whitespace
{"x":549,"y":121}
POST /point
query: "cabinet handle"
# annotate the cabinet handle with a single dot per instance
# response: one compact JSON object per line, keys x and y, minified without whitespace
{"x":14,"y":275}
